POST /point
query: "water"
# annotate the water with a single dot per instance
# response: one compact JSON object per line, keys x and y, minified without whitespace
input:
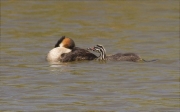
{"x":29,"y":29}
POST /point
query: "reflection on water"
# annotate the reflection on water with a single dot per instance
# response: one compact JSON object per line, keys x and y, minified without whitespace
{"x":29,"y":29}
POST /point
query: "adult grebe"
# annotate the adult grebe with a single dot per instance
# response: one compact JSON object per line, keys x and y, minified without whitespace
{"x":117,"y":57}
{"x":65,"y":51}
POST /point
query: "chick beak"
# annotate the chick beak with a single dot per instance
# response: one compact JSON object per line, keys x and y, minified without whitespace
{"x":92,"y":49}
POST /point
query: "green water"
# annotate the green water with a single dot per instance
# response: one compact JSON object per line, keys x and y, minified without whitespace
{"x":29,"y":29}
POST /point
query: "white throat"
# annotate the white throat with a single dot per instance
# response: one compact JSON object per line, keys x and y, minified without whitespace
{"x":54,"y":55}
{"x":61,"y":45}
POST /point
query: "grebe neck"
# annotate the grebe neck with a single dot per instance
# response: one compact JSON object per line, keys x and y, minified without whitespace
{"x":102,"y":55}
{"x":102,"y":52}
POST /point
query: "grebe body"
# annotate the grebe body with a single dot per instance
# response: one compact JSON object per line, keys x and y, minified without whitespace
{"x":124,"y":57}
{"x":77,"y":54}
{"x":116,"y":57}
{"x":65,"y":51}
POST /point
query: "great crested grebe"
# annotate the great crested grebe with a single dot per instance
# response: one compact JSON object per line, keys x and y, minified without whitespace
{"x":65,"y":51}
{"x":116,"y":57}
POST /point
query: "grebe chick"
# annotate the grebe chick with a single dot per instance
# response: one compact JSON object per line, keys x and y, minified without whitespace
{"x":65,"y":51}
{"x":116,"y":57}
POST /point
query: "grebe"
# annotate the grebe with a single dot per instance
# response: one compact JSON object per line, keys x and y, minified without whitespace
{"x":116,"y":57}
{"x":65,"y":51}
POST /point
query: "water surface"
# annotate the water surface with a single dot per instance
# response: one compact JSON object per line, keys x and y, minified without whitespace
{"x":29,"y":29}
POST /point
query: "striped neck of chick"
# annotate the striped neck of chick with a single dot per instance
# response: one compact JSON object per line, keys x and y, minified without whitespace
{"x":101,"y":50}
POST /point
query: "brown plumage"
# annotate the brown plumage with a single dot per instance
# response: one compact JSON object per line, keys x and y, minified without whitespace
{"x":77,"y":54}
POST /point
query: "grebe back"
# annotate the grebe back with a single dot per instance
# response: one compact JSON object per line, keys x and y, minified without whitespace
{"x":116,"y":57}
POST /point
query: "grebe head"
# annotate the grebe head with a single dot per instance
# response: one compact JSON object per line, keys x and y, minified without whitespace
{"x":65,"y":42}
{"x":101,"y":50}
{"x":63,"y":45}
